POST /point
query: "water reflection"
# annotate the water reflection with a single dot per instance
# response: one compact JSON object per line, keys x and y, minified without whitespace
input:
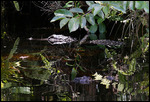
{"x":40,"y":86}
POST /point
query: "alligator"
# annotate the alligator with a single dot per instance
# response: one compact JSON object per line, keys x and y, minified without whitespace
{"x":61,"y":39}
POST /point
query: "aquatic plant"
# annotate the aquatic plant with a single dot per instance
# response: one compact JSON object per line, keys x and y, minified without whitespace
{"x":42,"y":73}
{"x":8,"y":68}
{"x":76,"y":65}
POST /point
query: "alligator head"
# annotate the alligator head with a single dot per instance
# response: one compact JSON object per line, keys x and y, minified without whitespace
{"x":60,"y":39}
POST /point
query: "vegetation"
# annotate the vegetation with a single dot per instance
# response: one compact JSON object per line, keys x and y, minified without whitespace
{"x":92,"y":16}
{"x":92,"y":20}
{"x":9,"y":72}
{"x":96,"y":14}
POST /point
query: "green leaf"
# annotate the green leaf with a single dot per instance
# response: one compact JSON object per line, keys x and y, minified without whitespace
{"x":82,"y":21}
{"x":125,"y":5}
{"x":120,"y":87}
{"x":146,"y":6}
{"x":92,"y":7}
{"x":101,"y":14}
{"x":13,"y":50}
{"x":119,"y":5}
{"x":76,"y":10}
{"x":89,"y":8}
{"x":93,"y":37}
{"x":63,"y":22}
{"x":139,"y":4}
{"x":132,"y":65}
{"x":106,"y":10}
{"x":73,"y":73}
{"x":89,"y":2}
{"x":6,"y":85}
{"x":100,"y":20}
{"x":80,"y":67}
{"x":119,"y":8}
{"x":68,"y":5}
{"x":63,"y":12}
{"x":73,"y":24}
{"x":132,"y":5}
{"x":102,"y":28}
{"x":90,"y":18}
{"x":57,"y":18}
{"x":16,"y":5}
{"x":97,"y":9}
{"x":93,"y":28}
{"x":69,"y":64}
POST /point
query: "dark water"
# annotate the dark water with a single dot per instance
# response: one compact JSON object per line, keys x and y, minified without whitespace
{"x":38,"y":88}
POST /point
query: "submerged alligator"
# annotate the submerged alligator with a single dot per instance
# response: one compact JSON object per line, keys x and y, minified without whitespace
{"x":61,"y":39}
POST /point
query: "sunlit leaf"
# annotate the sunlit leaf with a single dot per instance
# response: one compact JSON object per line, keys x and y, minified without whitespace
{"x":63,"y":22}
{"x":120,"y":87}
{"x":119,"y":8}
{"x":16,"y":5}
{"x":89,"y":2}
{"x":2,"y":85}
{"x":63,"y":12}
{"x":76,"y":10}
{"x":90,"y":7}
{"x":90,"y":18}
{"x":125,"y":5}
{"x":57,"y":18}
{"x":106,"y":10}
{"x":139,"y":4}
{"x":101,"y":14}
{"x":82,"y":21}
{"x":6,"y":85}
{"x":132,"y":5}
{"x":146,"y":6}
{"x":68,"y":4}
{"x":97,"y":9}
{"x":73,"y":24}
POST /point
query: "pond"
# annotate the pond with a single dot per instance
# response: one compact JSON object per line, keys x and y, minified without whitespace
{"x":44,"y":74}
